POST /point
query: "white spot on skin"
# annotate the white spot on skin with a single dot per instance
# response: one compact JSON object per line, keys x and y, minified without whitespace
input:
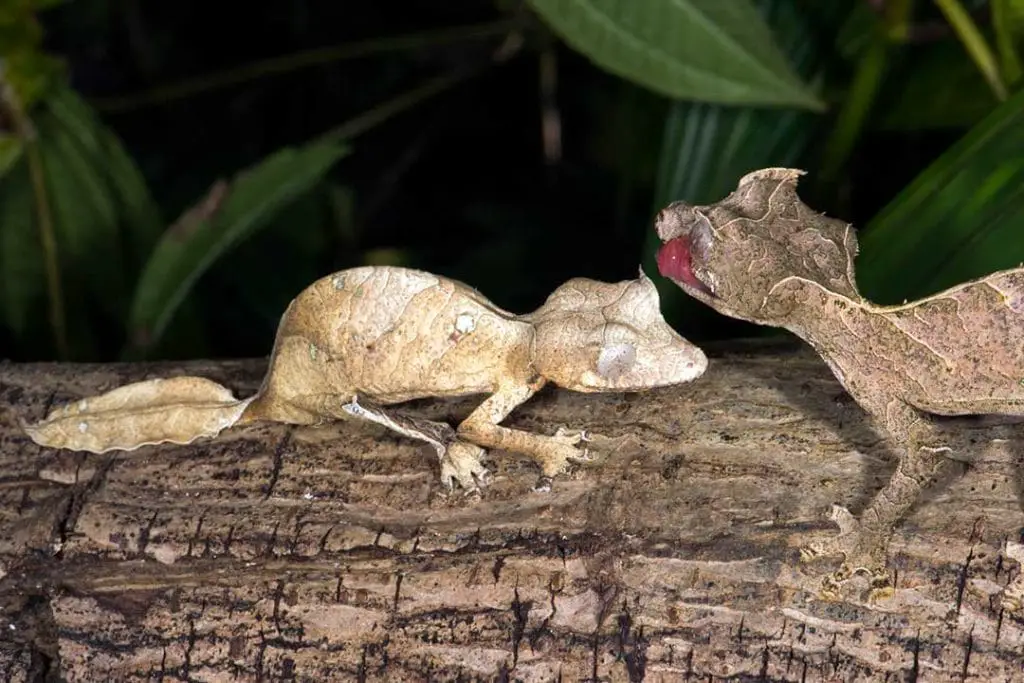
{"x":465,"y":323}
{"x":83,"y":405}
{"x":83,"y":427}
{"x":615,"y":359}
{"x":312,"y":351}
{"x":338,"y":281}
{"x":1016,"y":302}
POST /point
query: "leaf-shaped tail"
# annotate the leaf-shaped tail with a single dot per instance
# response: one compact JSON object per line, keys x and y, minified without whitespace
{"x":175,"y":410}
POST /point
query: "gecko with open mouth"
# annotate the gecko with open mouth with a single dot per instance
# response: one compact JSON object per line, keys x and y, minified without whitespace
{"x":763,"y":256}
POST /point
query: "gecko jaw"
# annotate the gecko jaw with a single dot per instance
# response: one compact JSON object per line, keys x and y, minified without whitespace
{"x":675,"y":261}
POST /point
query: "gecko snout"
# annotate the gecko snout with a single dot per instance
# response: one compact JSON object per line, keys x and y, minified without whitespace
{"x":670,"y":222}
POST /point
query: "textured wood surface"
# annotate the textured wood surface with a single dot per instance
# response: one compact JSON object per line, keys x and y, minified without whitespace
{"x":278,"y":553}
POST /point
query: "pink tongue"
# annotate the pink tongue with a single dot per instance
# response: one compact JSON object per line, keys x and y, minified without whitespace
{"x":674,"y":262}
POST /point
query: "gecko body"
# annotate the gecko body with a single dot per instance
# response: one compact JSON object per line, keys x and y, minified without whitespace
{"x":356,"y":342}
{"x":763,"y":256}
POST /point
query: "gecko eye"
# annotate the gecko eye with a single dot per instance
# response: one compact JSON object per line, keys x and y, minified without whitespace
{"x":615,"y":359}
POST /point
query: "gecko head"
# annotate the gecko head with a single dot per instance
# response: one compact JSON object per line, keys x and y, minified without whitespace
{"x":598,"y":336}
{"x":744,"y":254}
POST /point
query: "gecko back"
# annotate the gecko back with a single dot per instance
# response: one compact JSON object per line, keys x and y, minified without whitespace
{"x":985,"y":376}
{"x":395,"y":334}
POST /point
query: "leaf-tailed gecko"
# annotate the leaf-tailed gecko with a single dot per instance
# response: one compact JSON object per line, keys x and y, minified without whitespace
{"x":362,"y":339}
{"x":763,"y":256}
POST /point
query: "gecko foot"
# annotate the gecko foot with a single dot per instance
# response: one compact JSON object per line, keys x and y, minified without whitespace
{"x":1013,"y":594}
{"x":460,"y":462}
{"x":863,"y":556}
{"x":558,"y":452}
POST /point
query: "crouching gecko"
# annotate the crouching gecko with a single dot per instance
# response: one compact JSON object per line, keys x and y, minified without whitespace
{"x":357,"y":341}
{"x":763,"y":256}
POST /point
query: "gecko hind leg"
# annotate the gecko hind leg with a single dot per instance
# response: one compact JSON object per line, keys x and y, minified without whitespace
{"x":460,"y":460}
{"x":864,"y":543}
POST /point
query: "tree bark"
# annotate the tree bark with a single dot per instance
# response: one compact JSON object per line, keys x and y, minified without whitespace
{"x":332,"y":553}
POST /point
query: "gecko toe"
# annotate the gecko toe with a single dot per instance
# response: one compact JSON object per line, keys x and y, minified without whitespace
{"x":543,"y":484}
{"x":571,"y":436}
{"x":461,"y":462}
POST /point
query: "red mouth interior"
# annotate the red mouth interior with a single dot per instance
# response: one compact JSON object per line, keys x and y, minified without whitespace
{"x":675,"y":262}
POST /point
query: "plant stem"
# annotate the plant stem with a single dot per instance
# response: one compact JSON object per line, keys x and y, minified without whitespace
{"x":974,"y":43}
{"x":300,"y":60}
{"x":1004,"y":18}
{"x":49,"y":241}
{"x":10,"y":104}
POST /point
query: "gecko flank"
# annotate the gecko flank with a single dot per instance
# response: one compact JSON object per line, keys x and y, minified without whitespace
{"x":355,"y":342}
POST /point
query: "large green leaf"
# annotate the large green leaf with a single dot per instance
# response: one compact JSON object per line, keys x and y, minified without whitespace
{"x":706,"y":148}
{"x":704,"y":50}
{"x":1008,"y":24}
{"x":31,"y":74}
{"x":227,"y":215}
{"x":85,"y":219}
{"x":86,"y":205}
{"x":21,"y":266}
{"x":11,"y":149}
{"x":962,"y":217}
{"x":135,"y":208}
{"x":937,"y":87}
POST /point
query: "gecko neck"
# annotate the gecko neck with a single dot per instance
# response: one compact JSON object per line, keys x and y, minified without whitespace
{"x":817,"y":319}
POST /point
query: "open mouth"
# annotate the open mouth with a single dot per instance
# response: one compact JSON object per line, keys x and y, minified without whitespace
{"x":675,"y":261}
{"x":686,"y":233}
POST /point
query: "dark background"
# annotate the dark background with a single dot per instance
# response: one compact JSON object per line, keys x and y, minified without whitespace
{"x":459,"y":183}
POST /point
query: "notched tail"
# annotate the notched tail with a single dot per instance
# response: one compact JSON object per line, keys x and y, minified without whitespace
{"x":175,"y":410}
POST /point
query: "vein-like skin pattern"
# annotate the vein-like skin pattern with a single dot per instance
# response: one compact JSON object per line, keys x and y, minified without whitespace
{"x":393,"y":334}
{"x":762,"y":255}
{"x":357,"y":341}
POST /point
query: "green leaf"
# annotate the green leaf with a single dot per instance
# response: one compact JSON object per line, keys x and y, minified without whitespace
{"x":960,"y":218}
{"x":21,"y":263}
{"x":704,"y":50}
{"x":11,"y":149}
{"x":85,"y":218}
{"x":705,"y":148}
{"x":31,"y":74}
{"x":229,"y":214}
{"x":135,"y":207}
{"x":975,"y":44}
{"x":937,"y":87}
{"x":1008,"y":24}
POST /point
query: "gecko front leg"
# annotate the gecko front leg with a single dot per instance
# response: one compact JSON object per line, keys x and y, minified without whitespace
{"x":864,"y":542}
{"x":552,"y":453}
{"x":459,"y":460}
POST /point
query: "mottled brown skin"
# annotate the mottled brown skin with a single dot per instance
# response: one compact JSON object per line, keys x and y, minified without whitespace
{"x":356,"y":341}
{"x":763,"y":256}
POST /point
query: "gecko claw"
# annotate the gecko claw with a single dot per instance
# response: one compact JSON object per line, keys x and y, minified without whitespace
{"x":1013,"y":595}
{"x":571,"y":436}
{"x":543,"y":484}
{"x":860,"y":558}
{"x":460,"y":462}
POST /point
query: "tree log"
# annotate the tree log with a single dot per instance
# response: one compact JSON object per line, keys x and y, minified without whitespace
{"x":279,"y":553}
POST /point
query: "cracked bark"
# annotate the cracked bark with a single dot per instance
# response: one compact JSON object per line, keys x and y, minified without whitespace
{"x":276,"y":553}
